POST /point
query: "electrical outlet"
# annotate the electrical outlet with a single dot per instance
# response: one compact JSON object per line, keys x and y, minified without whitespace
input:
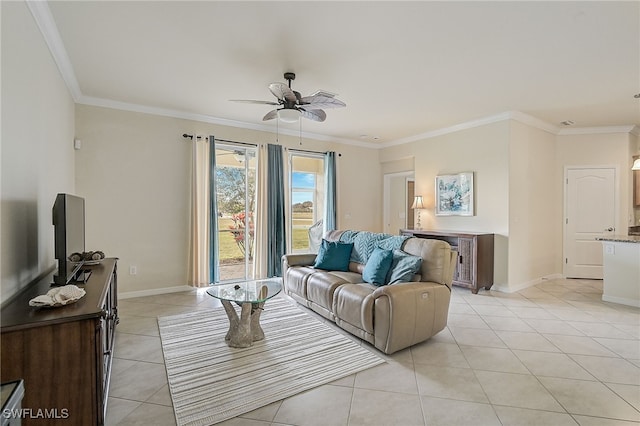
{"x":133,"y":270}
{"x":609,"y":249}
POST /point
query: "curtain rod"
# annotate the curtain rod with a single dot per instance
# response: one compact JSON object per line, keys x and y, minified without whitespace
{"x":311,"y":152}
{"x":188,"y":136}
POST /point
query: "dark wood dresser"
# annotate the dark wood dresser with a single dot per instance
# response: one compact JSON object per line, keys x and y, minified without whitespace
{"x":475,"y":255}
{"x":63,"y":354}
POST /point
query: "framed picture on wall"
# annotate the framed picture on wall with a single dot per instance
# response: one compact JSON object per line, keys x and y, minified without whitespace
{"x":454,"y":195}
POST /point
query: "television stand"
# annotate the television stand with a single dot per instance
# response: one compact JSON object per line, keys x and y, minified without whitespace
{"x":63,"y":354}
{"x":81,"y":277}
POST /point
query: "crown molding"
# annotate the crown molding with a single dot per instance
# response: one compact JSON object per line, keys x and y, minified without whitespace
{"x":44,"y":20}
{"x":520,"y":117}
{"x":446,"y":130}
{"x":47,"y":25}
{"x":532,"y":121}
{"x":172,"y":113}
{"x":507,"y":115}
{"x":599,"y":130}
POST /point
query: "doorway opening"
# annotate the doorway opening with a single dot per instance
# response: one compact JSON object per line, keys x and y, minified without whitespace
{"x":398,"y":197}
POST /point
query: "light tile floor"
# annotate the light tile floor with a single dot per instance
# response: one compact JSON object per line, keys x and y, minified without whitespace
{"x":553,"y":354}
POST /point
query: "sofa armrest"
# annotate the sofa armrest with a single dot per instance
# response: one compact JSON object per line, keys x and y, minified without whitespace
{"x":408,"y":313}
{"x":305,"y":259}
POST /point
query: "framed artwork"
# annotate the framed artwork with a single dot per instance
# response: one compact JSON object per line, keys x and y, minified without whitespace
{"x":454,"y":195}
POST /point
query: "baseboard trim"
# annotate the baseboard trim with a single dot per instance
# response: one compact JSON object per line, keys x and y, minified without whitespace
{"x":621,"y":301}
{"x":154,"y":291}
{"x":505,"y":288}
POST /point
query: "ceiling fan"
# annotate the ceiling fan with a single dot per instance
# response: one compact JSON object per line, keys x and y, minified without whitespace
{"x":292,"y":105}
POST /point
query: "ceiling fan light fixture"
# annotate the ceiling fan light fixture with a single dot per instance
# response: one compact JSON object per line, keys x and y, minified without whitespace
{"x":289,"y":115}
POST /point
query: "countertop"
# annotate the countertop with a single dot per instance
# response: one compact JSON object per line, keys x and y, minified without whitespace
{"x":621,"y":239}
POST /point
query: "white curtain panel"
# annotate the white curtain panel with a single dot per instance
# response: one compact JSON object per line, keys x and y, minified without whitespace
{"x":200,"y":212}
{"x":260,"y":216}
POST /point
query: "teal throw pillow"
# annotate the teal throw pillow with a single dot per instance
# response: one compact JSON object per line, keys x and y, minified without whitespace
{"x":333,"y":256}
{"x":403,"y":267}
{"x":377,"y":267}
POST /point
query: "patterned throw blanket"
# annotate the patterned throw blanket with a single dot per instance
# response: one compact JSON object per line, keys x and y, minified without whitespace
{"x":364,"y":242}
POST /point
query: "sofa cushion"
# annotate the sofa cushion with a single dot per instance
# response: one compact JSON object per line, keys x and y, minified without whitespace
{"x":350,"y":277}
{"x":333,"y":256}
{"x":320,"y":288}
{"x":356,"y":267}
{"x":353,"y":303}
{"x":377,"y":267}
{"x":403,"y":267}
{"x":296,"y":279}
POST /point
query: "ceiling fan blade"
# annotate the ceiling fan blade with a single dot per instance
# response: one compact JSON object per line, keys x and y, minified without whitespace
{"x":321,"y":102}
{"x":283,"y":92}
{"x":270,"y":115}
{"x":251,"y":101}
{"x":314,"y":114}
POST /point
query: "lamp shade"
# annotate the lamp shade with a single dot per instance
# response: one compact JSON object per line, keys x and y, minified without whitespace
{"x":636,"y":164}
{"x":289,"y":115}
{"x":417,"y":202}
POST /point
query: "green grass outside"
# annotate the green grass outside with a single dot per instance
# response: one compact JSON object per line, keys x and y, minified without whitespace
{"x":227,"y":246}
{"x":229,"y":250}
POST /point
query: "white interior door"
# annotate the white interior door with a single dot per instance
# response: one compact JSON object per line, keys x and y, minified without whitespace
{"x":590,"y":213}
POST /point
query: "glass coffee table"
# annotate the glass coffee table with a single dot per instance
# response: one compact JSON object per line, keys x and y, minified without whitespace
{"x":244,"y":329}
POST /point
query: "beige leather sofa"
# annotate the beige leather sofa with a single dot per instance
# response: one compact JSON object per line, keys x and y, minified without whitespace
{"x":390,"y":317}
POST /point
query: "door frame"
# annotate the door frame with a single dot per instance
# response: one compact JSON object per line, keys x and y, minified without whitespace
{"x":565,"y":184}
{"x":248,"y":269}
{"x":408,"y":175}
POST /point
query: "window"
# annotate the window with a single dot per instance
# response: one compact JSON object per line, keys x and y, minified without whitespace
{"x":307,"y":197}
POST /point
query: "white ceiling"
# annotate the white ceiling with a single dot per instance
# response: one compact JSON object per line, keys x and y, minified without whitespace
{"x":403,"y":68}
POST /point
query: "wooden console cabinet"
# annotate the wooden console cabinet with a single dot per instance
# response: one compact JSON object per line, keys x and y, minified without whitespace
{"x":63,"y":354}
{"x":475,"y":256}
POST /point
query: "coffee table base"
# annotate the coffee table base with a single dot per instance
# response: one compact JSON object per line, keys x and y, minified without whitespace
{"x":244,"y":329}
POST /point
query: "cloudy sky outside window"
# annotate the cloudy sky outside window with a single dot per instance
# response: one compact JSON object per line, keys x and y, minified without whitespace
{"x":300,"y":180}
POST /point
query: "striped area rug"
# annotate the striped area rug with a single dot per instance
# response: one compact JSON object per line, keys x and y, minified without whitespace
{"x":211,"y":382}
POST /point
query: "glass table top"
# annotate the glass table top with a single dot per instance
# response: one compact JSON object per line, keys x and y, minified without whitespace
{"x":249,"y":291}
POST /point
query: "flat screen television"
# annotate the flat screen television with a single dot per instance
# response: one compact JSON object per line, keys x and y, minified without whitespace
{"x":68,"y":223}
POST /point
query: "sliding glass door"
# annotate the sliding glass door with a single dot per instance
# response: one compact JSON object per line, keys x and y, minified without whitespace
{"x":236,"y":198}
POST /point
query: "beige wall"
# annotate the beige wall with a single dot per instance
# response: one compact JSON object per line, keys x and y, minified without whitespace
{"x":535,"y":209}
{"x":37,"y":149}
{"x":518,"y":171}
{"x":397,"y":166}
{"x":134,"y":172}
{"x":634,"y":146}
{"x":482,"y":150}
